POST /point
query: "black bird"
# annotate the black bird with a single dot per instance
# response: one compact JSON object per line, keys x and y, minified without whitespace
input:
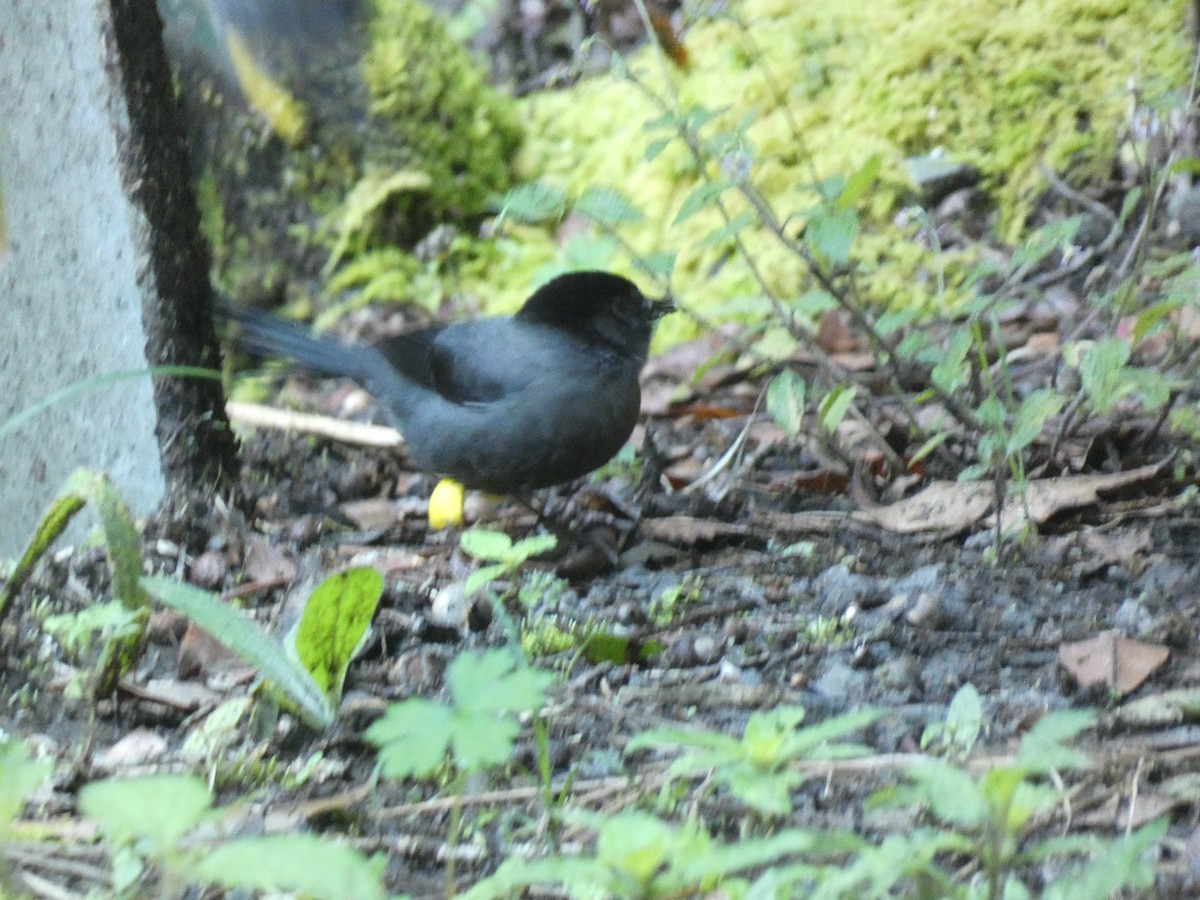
{"x":502,"y":404}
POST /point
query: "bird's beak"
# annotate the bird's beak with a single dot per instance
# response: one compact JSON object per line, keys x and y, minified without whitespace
{"x":659,"y":308}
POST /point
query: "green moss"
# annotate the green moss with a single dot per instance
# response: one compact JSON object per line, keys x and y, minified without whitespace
{"x":1003,"y":84}
{"x":404,"y":135}
{"x":440,"y":116}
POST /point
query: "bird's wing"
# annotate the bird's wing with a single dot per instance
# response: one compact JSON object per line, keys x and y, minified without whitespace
{"x":468,"y":362}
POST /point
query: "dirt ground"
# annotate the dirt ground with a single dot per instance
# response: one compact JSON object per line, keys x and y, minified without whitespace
{"x":784,"y":573}
{"x":761,"y":590}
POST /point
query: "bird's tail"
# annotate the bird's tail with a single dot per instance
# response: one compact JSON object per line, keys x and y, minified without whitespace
{"x":259,"y":333}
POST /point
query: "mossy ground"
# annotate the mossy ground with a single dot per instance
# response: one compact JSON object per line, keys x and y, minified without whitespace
{"x":1005,"y":86}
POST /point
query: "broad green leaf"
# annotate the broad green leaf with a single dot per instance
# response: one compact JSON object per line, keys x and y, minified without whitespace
{"x":660,"y":265}
{"x":701,"y":197}
{"x":19,"y":777}
{"x":952,"y":794}
{"x":835,"y":405}
{"x":655,"y":148}
{"x":727,"y":231}
{"x":953,"y":372}
{"x":159,"y":809}
{"x":245,"y":638}
{"x":607,"y":206}
{"x":860,"y":182}
{"x":481,"y":543}
{"x":1102,"y":373}
{"x":295,"y":864}
{"x":496,"y":681}
{"x":535,"y":202}
{"x":785,"y":401}
{"x":814,"y":303}
{"x":334,"y":623}
{"x":412,"y":737}
{"x":1031,"y":418}
{"x":831,"y":233}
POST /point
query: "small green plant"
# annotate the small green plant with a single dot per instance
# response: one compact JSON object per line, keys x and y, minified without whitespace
{"x":20,"y":776}
{"x":828,"y":631}
{"x":475,"y":731}
{"x":97,"y":627}
{"x":309,"y":678}
{"x":756,"y":766}
{"x":167,"y":820}
{"x":120,"y":632}
{"x":504,"y":557}
{"x":640,"y":857}
{"x":991,"y":818}
{"x":955,"y":736}
{"x":669,"y":603}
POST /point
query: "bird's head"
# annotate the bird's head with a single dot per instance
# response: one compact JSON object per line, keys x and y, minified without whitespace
{"x":598,"y":307}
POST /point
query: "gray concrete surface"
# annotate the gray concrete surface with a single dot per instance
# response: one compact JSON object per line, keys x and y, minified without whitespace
{"x":84,"y":264}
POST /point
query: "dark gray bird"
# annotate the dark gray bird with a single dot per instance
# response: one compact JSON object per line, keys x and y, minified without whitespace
{"x":503,"y":404}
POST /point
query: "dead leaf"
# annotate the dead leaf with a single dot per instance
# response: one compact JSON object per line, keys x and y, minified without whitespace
{"x":202,"y":656}
{"x":265,"y":562}
{"x":959,"y":505}
{"x":372,"y":513}
{"x":940,"y":506}
{"x":1119,"y":663}
{"x":1044,"y":499}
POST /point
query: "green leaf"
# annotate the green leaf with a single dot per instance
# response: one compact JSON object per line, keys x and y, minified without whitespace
{"x":535,"y":202}
{"x":618,"y":649}
{"x":121,"y":539}
{"x":484,"y":544}
{"x":233,"y":630}
{"x":831,"y":233}
{"x":496,"y":681}
{"x":1102,"y":373}
{"x":659,"y":265}
{"x":952,"y":373}
{"x":53,"y":523}
{"x":655,"y":148}
{"x":726,"y":232}
{"x":412,"y":737}
{"x":534,"y":545}
{"x":894,"y":320}
{"x":488,"y":692}
{"x":785,"y":401}
{"x":159,"y":809}
{"x":1031,"y":417}
{"x":814,"y":303}
{"x":860,"y":182}
{"x":1129,"y":204}
{"x":606,"y":205}
{"x":19,"y":777}
{"x":1127,"y":862}
{"x":294,"y":864}
{"x":1043,"y":747}
{"x":701,"y":197}
{"x":482,"y":577}
{"x":1045,"y":241}
{"x":334,"y":623}
{"x":952,"y":794}
{"x":929,"y":446}
{"x":835,"y":405}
